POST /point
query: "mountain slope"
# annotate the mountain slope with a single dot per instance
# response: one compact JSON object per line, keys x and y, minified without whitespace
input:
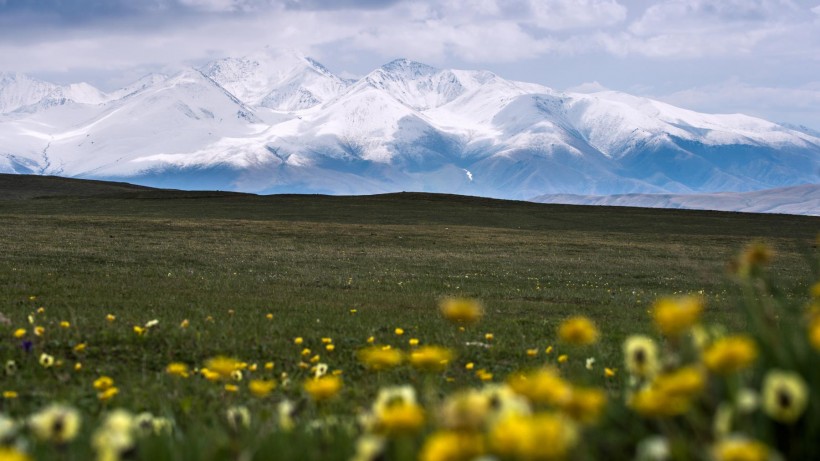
{"x":789,"y":200}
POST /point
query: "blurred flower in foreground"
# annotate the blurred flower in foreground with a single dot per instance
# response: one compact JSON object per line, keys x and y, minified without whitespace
{"x":431,"y":358}
{"x":323,"y":388}
{"x":115,"y":436}
{"x":461,"y":310}
{"x":674,"y":316}
{"x":543,"y":436}
{"x":223,"y":366}
{"x":46,"y":360}
{"x":238,"y":417}
{"x":740,"y":449}
{"x":12,"y":454}
{"x":730,"y":354}
{"x":785,"y":395}
{"x":56,"y":423}
{"x":579,"y":331}
{"x":380,"y":357}
{"x":452,"y":446}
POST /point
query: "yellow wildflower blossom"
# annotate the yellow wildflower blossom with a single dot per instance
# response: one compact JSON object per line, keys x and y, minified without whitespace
{"x":431,"y":358}
{"x":39,"y":331}
{"x":641,"y":356}
{"x":814,"y":332}
{"x":261,"y":387}
{"x":413,"y":342}
{"x":461,"y":310}
{"x":579,"y":331}
{"x":379,"y":358}
{"x":231,"y":388}
{"x":46,"y":360}
{"x":542,"y":386}
{"x":103,"y":382}
{"x":269,"y":366}
{"x":323,"y":388}
{"x":56,"y":423}
{"x":10,"y":395}
{"x":543,"y":436}
{"x":399,"y":331}
{"x":65,"y":324}
{"x":785,"y":395}
{"x":298,"y":340}
{"x":489,"y":336}
{"x":610,"y":372}
{"x":19,"y":333}
{"x":730,"y":354}
{"x":452,"y":446}
{"x":674,"y":316}
{"x":223,"y":366}
{"x":584,"y":405}
{"x":80,"y":347}
{"x":12,"y":454}
{"x":399,"y":419}
{"x":737,"y":449}
{"x":108,"y":394}
{"x":563,"y":358}
{"x":177,"y":369}
{"x":110,"y":318}
{"x":184,"y":324}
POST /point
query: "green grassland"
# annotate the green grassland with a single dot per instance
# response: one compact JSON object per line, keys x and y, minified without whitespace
{"x":345,"y":268}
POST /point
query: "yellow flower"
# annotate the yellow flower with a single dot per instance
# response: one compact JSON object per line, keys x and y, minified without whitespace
{"x":231,"y":388}
{"x":108,"y":394}
{"x":269,"y":366}
{"x":9,"y":395}
{"x":223,"y":366}
{"x":323,"y":388}
{"x":399,"y":419}
{"x":306,"y":352}
{"x":10,"y":367}
{"x":210,"y":375}
{"x":11,"y":454}
{"x":110,"y":318}
{"x":65,"y":324}
{"x":584,"y":405}
{"x":184,"y":324}
{"x":39,"y":331}
{"x":543,"y":436}
{"x":399,"y":331}
{"x":431,"y":358}
{"x":814,"y":332}
{"x":139,"y":330}
{"x":641,"y":356}
{"x":669,"y":394}
{"x":466,"y":410}
{"x":461,"y":310}
{"x":371,"y":340}
{"x":177,"y":369}
{"x":236,"y":375}
{"x":610,"y":372}
{"x":19,"y":333}
{"x":785,"y":395}
{"x":56,"y":423}
{"x":548,"y":350}
{"x":737,"y":449}
{"x":269,"y":316}
{"x":327,"y":340}
{"x":80,"y":347}
{"x":298,"y":340}
{"x":579,"y":331}
{"x":102,"y":383}
{"x":469,"y":365}
{"x":380,"y":358}
{"x":413,"y":342}
{"x":78,"y":366}
{"x":484,"y":375}
{"x":730,"y":354}
{"x":563,"y":358}
{"x":46,"y":360}
{"x":452,"y":446}
{"x":489,"y":337}
{"x":261,"y":387}
{"x":532,"y":352}
{"x":330,"y":347}
{"x":542,"y":386}
{"x":674,"y":316}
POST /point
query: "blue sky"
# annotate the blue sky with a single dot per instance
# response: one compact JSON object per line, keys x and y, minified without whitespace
{"x":760,"y":57}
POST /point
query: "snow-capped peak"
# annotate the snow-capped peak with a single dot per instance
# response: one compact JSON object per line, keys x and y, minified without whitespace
{"x":19,"y":90}
{"x":278,"y":79}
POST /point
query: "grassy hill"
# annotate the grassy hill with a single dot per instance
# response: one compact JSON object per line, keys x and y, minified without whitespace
{"x":349,"y":268}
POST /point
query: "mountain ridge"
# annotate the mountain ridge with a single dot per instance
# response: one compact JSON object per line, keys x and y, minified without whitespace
{"x":279,"y":121}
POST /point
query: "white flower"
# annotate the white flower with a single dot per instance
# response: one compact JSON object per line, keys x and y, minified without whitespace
{"x":590,"y":362}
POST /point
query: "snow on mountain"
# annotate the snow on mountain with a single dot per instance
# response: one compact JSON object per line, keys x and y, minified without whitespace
{"x":803,"y":199}
{"x":280,"y":80}
{"x":18,"y":90}
{"x":280,"y":122}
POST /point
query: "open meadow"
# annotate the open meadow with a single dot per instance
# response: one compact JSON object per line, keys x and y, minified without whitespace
{"x":217,"y":313}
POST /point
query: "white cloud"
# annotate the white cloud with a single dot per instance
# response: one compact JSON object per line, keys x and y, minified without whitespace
{"x":778,"y":104}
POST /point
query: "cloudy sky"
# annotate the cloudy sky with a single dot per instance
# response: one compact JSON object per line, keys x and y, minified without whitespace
{"x":760,"y":57}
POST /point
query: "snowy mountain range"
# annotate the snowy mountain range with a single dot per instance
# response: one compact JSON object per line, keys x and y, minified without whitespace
{"x":278,"y":121}
{"x":803,"y":199}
